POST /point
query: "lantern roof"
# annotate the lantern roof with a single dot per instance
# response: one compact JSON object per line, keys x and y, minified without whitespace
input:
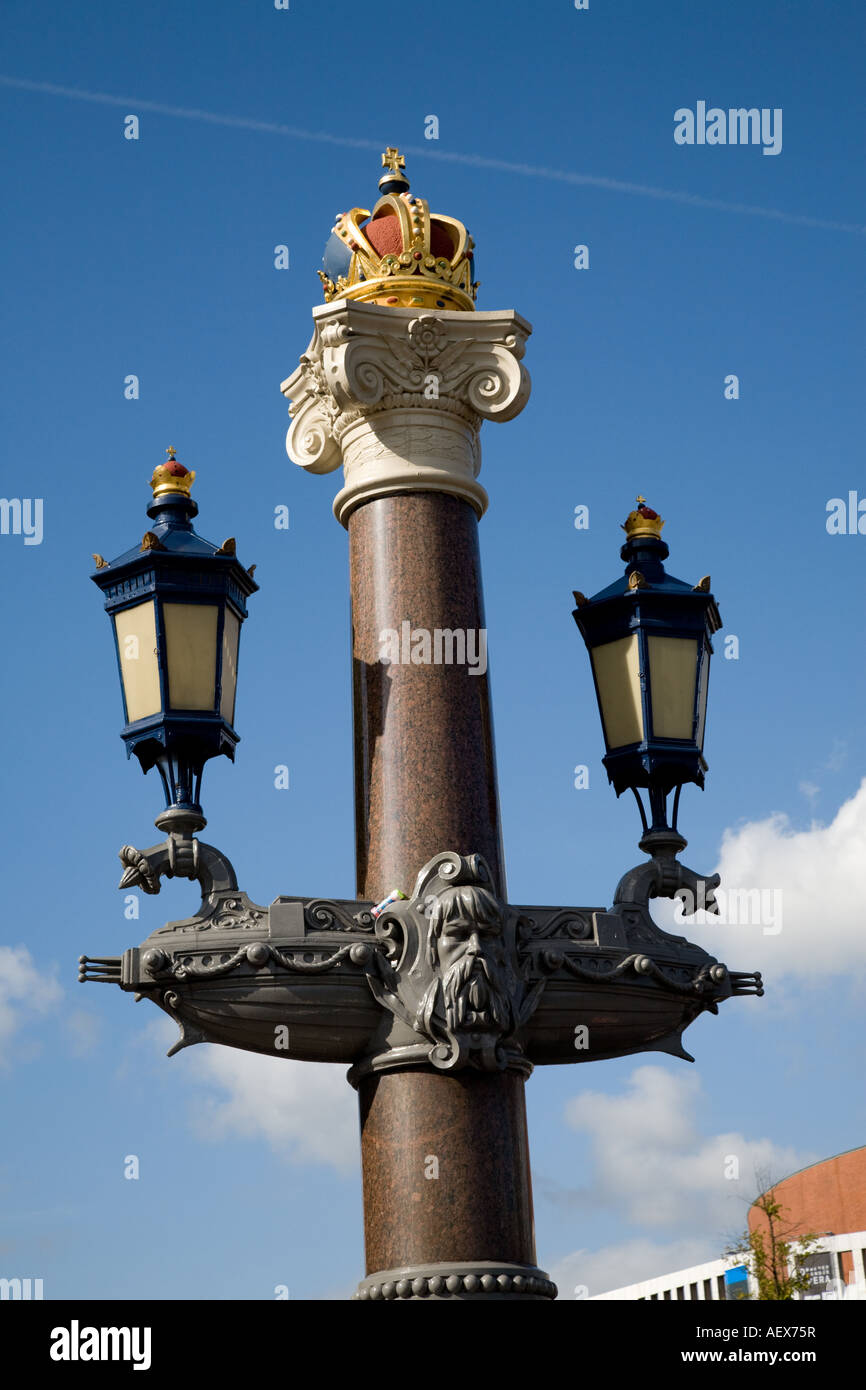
{"x":172,"y":536}
{"x":644,"y":552}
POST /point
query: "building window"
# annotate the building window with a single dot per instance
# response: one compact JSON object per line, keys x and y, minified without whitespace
{"x":681,"y":1291}
{"x":720,"y":1286}
{"x":667,"y":1293}
{"x":708,"y":1290}
{"x":693,"y":1291}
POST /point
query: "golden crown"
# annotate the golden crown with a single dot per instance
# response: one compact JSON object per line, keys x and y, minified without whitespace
{"x":643,"y":521}
{"x":171,"y":477}
{"x":400,"y":254}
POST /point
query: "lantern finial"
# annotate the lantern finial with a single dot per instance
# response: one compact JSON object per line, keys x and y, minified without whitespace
{"x":172,"y":478}
{"x":643,"y":521}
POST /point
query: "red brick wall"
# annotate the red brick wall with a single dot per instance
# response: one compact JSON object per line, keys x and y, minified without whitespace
{"x":829,"y":1196}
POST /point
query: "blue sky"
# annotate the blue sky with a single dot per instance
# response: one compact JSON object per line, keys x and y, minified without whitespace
{"x":156,"y":257}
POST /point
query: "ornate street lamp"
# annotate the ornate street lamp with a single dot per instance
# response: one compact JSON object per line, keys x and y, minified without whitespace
{"x":649,"y":638}
{"x":437,"y":991}
{"x":176,"y":604}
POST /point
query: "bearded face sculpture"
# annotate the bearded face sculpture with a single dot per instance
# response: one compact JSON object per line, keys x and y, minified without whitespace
{"x":450,"y":973}
{"x":465,"y":947}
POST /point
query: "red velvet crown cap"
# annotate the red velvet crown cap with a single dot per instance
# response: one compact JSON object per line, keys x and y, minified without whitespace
{"x":383,"y":234}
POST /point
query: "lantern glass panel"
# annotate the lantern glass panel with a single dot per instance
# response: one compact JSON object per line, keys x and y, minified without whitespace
{"x":703,"y":682}
{"x":617,"y":673}
{"x":673,"y":668}
{"x":135,"y":629}
{"x":191,"y":647}
{"x":231,"y":634}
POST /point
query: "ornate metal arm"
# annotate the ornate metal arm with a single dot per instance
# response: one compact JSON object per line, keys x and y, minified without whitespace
{"x":179,"y":855}
{"x":663,"y":876}
{"x":450,"y":977}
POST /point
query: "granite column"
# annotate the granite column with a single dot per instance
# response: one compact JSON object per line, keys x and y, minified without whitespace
{"x":398,"y":398}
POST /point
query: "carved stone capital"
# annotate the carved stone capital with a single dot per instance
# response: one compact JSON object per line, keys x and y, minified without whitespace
{"x":398,"y":397}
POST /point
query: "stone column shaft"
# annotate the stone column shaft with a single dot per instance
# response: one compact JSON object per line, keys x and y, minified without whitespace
{"x":398,"y":398}
{"x":425,"y":776}
{"x":446,"y":1169}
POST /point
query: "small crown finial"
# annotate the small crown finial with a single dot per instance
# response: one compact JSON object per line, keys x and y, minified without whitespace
{"x":172,"y":477}
{"x":643,"y":521}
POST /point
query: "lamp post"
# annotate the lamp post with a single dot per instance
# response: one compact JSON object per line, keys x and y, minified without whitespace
{"x":437,"y":992}
{"x":176,"y":603}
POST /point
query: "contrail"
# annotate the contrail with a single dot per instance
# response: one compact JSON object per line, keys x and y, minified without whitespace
{"x":478,"y":161}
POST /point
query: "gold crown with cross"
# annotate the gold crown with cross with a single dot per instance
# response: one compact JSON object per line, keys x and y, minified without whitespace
{"x":399,"y":254}
{"x":172,"y":477}
{"x":643,"y":521}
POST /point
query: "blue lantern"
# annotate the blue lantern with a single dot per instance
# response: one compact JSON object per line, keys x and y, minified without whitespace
{"x":176,"y":604}
{"x":649,"y":639}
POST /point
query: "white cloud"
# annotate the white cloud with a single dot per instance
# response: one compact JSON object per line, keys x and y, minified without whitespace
{"x":838,"y":756}
{"x":306,"y":1111}
{"x":25,"y":989}
{"x":653,"y":1166}
{"x":811,"y":881}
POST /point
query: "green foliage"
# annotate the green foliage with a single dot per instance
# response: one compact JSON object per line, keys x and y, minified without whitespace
{"x":774,"y":1257}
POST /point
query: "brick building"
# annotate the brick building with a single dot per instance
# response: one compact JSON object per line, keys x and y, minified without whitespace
{"x":828,"y":1200}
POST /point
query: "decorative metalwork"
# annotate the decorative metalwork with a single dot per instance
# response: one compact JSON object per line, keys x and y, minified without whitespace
{"x":705,"y":976}
{"x":564,"y":921}
{"x":484,"y":1279}
{"x":321,"y":914}
{"x":179,"y":855}
{"x":237,"y":913}
{"x":663,"y":876}
{"x":258,"y":954}
{"x":452,"y":977}
{"x":99,"y":969}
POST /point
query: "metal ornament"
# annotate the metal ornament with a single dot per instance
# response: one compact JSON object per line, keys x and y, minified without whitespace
{"x":451,"y":972}
{"x":452,"y":978}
